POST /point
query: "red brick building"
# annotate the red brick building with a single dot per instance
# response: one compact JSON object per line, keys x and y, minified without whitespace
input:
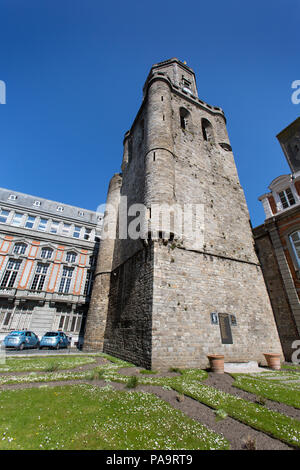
{"x":278,"y":241}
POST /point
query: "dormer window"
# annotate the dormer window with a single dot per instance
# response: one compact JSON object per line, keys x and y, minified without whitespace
{"x":287,"y":198}
{"x":12,"y":197}
{"x":37,"y":203}
{"x":60,"y":209}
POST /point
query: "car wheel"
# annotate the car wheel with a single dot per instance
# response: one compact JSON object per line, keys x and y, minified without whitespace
{"x":21,"y":347}
{"x":57,"y":347}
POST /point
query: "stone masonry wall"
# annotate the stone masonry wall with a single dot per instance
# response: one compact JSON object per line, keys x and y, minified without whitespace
{"x":129,"y":319}
{"x":188,"y":287}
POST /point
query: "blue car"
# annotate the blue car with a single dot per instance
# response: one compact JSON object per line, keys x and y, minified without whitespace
{"x":21,"y":340}
{"x":54,"y":340}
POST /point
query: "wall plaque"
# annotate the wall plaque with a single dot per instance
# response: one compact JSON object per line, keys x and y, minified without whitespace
{"x":225,"y":328}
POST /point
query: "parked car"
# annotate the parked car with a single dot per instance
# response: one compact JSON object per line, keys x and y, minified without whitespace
{"x":54,"y":340}
{"x":21,"y":339}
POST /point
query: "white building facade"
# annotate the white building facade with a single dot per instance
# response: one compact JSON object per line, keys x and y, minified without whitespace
{"x":47,"y":257}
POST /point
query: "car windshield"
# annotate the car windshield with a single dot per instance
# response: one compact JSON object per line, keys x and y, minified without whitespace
{"x":51,"y":333}
{"x":16,"y":333}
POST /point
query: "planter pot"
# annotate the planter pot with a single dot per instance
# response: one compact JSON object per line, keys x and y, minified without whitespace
{"x":273,"y":360}
{"x":216,"y":362}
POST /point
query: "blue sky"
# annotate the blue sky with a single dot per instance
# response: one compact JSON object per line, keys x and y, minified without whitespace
{"x":74,"y":72}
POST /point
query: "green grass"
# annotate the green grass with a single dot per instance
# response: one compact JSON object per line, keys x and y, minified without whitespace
{"x":254,"y":415}
{"x":277,"y":390}
{"x":87,"y":417}
{"x":257,"y":416}
{"x":148,"y":372}
{"x":291,"y":367}
{"x":190,"y":382}
{"x":24,"y":364}
{"x":132,"y":382}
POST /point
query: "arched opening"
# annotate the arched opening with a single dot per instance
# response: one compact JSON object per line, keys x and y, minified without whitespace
{"x":184,"y":118}
{"x":207,"y":130}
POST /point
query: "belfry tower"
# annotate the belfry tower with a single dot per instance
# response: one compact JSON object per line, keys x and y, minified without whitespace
{"x":169,"y":299}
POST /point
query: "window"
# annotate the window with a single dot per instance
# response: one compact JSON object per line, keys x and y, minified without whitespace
{"x":66,"y":229}
{"x":184,"y":114}
{"x":17,"y":219}
{"x":39,"y":277}
{"x":71,"y":257}
{"x":68,"y":321}
{"x":66,"y":280}
{"x":42,"y":225}
{"x":142,"y":127}
{"x":3,"y":215}
{"x":76,"y":233}
{"x":21,"y":318}
{"x":186,"y":83}
{"x":37,"y":203}
{"x":12,"y":197}
{"x":88,"y":282}
{"x":60,"y":209}
{"x":5,"y":316}
{"x":286,"y":197}
{"x":19,"y":248}
{"x":54,"y":226}
{"x":30,"y":222}
{"x":295,"y":242}
{"x":46,"y":253}
{"x":81,"y":213}
{"x":87,"y":233}
{"x":10,"y":274}
{"x":207,"y":131}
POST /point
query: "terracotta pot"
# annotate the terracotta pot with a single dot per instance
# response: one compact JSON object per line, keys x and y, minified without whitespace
{"x":216,"y":362}
{"x":273,"y":360}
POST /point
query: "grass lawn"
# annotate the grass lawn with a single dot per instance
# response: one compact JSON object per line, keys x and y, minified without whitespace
{"x":88,"y":417}
{"x":24,"y":364}
{"x":190,"y":382}
{"x":257,"y":416}
{"x":273,"y":386}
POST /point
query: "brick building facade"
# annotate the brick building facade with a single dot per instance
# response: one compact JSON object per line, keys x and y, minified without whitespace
{"x":278,"y":241}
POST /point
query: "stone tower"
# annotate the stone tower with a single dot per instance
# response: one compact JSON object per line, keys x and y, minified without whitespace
{"x":162,"y":300}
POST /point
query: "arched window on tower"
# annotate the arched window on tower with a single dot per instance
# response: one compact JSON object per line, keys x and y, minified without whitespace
{"x":184,"y":118}
{"x":207,"y":130}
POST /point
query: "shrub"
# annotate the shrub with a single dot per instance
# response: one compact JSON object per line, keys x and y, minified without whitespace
{"x":132,"y":382}
{"x":52,"y":367}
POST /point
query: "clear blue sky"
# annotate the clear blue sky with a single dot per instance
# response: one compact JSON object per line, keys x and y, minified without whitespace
{"x":74,"y":71}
